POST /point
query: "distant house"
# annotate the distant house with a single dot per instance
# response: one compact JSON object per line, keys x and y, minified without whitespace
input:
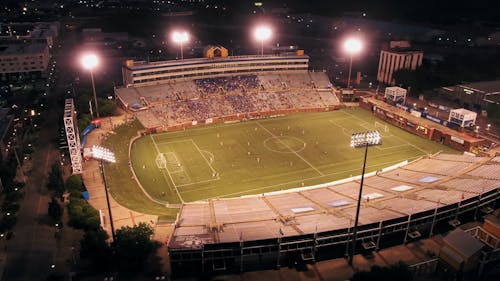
{"x":460,"y":251}
{"x":478,"y":95}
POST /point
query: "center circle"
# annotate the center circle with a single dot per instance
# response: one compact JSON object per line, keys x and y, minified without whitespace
{"x":284,"y":144}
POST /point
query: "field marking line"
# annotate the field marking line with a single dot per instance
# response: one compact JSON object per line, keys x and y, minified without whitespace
{"x":211,"y":155}
{"x":343,"y":129}
{"x":301,"y":180}
{"x":202,"y":155}
{"x":301,"y":171}
{"x":356,"y":117}
{"x":169,"y":142}
{"x":193,"y":183}
{"x":265,"y":129}
{"x":404,"y":141}
{"x":170,"y":176}
{"x":391,"y":147}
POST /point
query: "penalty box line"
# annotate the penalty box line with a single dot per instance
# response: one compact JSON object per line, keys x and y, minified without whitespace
{"x":169,"y":175}
{"x":201,"y":154}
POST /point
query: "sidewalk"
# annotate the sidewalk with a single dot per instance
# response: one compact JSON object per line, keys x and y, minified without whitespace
{"x":95,"y":185}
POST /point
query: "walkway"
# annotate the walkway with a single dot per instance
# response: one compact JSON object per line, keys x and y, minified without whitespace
{"x":95,"y":186}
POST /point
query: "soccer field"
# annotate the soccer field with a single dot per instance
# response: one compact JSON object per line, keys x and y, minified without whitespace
{"x":258,"y":156}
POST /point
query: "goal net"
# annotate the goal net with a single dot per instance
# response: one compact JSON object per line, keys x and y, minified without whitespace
{"x":380,"y":126}
{"x":161,"y":161}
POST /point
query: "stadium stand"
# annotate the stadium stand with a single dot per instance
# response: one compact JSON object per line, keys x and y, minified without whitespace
{"x":266,"y":229}
{"x":173,"y":104}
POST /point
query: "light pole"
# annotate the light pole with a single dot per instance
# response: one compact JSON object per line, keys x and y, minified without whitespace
{"x":180,"y":37}
{"x":359,"y":140}
{"x":103,"y":154}
{"x":89,"y":62}
{"x":352,"y":46}
{"x":262,"y":33}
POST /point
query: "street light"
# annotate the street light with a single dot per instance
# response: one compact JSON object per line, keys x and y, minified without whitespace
{"x":103,"y":154}
{"x":262,"y":33}
{"x":180,"y":37}
{"x":365,"y":139}
{"x":352,"y":46}
{"x":89,"y":62}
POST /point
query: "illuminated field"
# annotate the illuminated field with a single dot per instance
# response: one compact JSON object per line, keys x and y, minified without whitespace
{"x":258,"y":156}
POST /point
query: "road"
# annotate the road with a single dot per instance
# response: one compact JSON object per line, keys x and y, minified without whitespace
{"x":34,"y":252}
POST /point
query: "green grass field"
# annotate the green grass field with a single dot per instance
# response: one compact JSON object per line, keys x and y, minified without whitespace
{"x":258,"y":156}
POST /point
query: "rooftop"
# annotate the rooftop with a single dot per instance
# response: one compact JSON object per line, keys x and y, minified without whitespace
{"x":143,"y":64}
{"x":463,"y":242}
{"x":488,"y":87}
{"x":463,"y":111}
{"x":18,"y":49}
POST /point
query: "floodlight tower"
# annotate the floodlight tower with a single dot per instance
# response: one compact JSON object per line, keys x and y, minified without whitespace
{"x":262,"y":33}
{"x":180,"y":37}
{"x":103,"y":154}
{"x":358,"y":140}
{"x":352,"y":46}
{"x":89,"y":62}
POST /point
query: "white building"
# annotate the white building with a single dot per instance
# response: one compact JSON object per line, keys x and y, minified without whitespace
{"x":393,"y":60}
{"x":462,"y":117}
{"x":395,"y":94}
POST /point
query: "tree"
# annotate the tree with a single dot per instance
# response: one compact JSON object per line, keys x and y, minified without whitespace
{"x":82,"y":214}
{"x":75,"y":183}
{"x":94,"y":247}
{"x":56,"y":182}
{"x":55,"y":210}
{"x":106,"y":107}
{"x":133,"y":246}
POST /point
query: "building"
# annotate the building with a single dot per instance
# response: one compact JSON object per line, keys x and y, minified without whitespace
{"x":395,"y":95}
{"x":460,"y":251}
{"x":395,"y":59}
{"x":19,"y":61}
{"x":479,"y":95}
{"x":140,"y":73}
{"x":462,"y":117}
{"x":28,"y":32}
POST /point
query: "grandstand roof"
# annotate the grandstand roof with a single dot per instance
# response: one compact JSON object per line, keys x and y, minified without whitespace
{"x":332,"y":207}
{"x":145,"y":65}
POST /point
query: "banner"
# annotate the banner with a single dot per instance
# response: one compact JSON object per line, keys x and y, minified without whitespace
{"x":459,"y":140}
{"x":415,"y":113}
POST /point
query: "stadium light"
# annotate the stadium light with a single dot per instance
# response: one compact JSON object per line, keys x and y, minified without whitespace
{"x":104,"y":154}
{"x":366,"y":138}
{"x":361,"y":139}
{"x":352,"y":46}
{"x":89,"y":62}
{"x":262,"y":33}
{"x":180,"y":37}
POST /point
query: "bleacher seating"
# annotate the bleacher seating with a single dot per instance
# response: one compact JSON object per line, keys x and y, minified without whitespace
{"x":180,"y":102}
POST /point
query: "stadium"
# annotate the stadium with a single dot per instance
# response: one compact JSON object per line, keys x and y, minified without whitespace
{"x":255,"y":154}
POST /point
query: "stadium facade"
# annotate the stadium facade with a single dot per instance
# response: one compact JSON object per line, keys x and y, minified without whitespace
{"x":140,"y":73}
{"x":400,"y":204}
